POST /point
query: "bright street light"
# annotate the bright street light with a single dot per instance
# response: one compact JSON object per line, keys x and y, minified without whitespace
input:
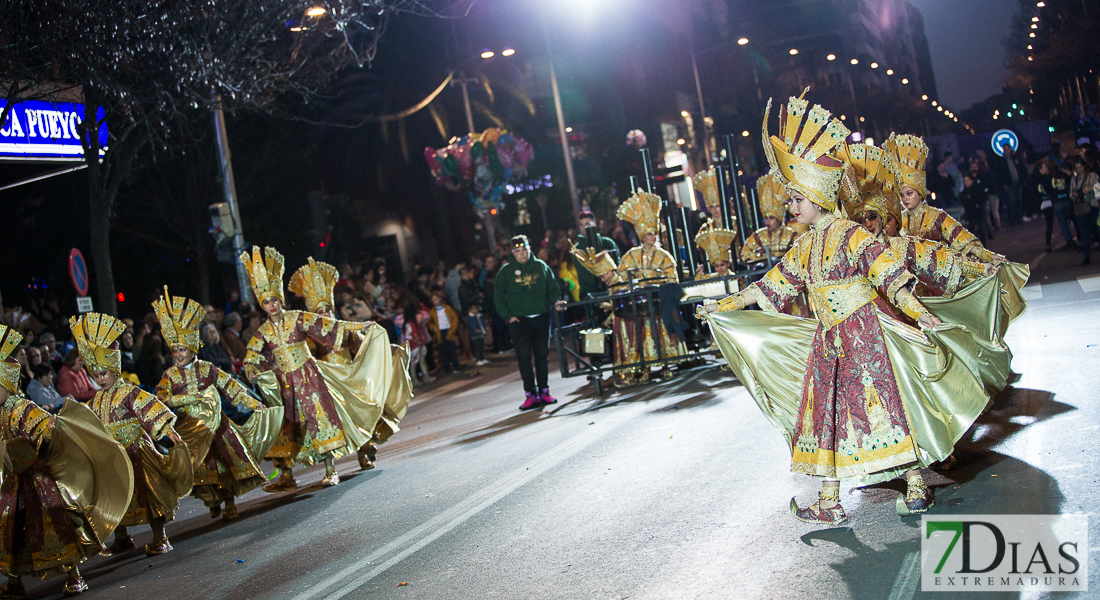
{"x":315,"y":11}
{"x":874,"y":65}
{"x":568,"y":130}
{"x":924,"y":97}
{"x":742,"y":41}
{"x":1035,"y":19}
{"x":889,"y":71}
{"x":855,"y":61}
{"x":831,"y":57}
{"x":744,"y":134}
{"x":794,"y":51}
{"x":933,"y":103}
{"x":487,"y":53}
{"x":681,"y":141}
{"x":905,"y":81}
{"x":508,"y":52}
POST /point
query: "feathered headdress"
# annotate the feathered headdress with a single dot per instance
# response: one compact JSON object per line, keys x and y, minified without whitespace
{"x":802,"y":160}
{"x":707,"y":184}
{"x":180,"y":319}
{"x":96,"y":337}
{"x":315,"y":282}
{"x":597,"y":263}
{"x":266,"y":275}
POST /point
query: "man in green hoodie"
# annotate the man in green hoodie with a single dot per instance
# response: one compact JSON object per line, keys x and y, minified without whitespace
{"x":526,"y":292}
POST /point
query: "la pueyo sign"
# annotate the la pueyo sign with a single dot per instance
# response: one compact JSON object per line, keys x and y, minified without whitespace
{"x":45,"y":131}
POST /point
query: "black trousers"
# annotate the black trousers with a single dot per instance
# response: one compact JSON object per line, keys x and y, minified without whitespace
{"x":531,"y":338}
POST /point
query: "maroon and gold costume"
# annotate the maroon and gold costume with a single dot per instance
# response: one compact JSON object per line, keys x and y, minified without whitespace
{"x":312,"y":426}
{"x":225,"y":467}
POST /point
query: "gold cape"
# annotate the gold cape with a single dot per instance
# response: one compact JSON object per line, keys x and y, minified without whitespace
{"x":371,"y":393}
{"x":92,"y":470}
{"x":769,"y":352}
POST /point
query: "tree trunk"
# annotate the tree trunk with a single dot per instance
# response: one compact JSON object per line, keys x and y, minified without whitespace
{"x":99,"y":213}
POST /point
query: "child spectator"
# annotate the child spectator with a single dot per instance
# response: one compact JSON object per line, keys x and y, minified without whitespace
{"x":476,"y":322}
{"x":443,"y":323}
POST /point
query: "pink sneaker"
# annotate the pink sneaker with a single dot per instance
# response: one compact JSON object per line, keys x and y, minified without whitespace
{"x":533,"y":401}
{"x":546,"y":398}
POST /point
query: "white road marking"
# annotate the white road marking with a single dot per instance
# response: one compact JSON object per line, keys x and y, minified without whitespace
{"x":441,"y":524}
{"x":1089,"y":284}
{"x":905,"y":586}
{"x":1032,"y":292}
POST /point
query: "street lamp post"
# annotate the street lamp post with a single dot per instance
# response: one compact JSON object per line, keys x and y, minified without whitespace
{"x":229,"y":189}
{"x":561,"y":124}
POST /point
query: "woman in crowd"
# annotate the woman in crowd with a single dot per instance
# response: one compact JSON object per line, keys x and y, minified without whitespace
{"x":73,"y":380}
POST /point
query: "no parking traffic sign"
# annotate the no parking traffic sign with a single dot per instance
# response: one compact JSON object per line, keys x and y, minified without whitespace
{"x":78,"y":273}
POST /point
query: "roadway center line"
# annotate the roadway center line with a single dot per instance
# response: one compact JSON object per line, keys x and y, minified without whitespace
{"x":434,"y":528}
{"x":905,"y":585}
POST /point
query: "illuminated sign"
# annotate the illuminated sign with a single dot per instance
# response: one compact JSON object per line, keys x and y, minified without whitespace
{"x":45,"y":131}
{"x":1002,"y":137}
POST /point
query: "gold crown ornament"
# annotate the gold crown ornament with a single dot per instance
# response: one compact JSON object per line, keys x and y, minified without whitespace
{"x":707,"y":184}
{"x":180,"y":319}
{"x":9,"y":369}
{"x":315,"y":282}
{"x":802,"y":160}
{"x":643,"y":211}
{"x":96,"y":336}
{"x":266,"y":273}
{"x":598,"y":263}
{"x":910,"y":153}
{"x":716,"y":244}
{"x":875,"y":172}
{"x":773,"y":197}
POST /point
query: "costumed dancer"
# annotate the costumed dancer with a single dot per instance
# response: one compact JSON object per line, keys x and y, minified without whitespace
{"x":706,"y":183}
{"x":715,"y":243}
{"x":940,"y":270}
{"x":921,"y":220}
{"x":312,"y":430}
{"x":775,"y":238}
{"x":225,"y":457}
{"x":44,"y":533}
{"x":643,"y":266}
{"x":135,"y":418}
{"x":315,"y":282}
{"x":851,"y":419}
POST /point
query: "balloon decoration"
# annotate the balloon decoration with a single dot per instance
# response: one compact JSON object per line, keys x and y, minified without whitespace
{"x":480,"y":164}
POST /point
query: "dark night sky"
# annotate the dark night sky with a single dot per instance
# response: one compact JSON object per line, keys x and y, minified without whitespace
{"x":968,"y":52}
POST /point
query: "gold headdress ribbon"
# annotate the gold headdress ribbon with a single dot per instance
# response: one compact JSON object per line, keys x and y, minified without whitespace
{"x":875,"y":173}
{"x":266,"y":274}
{"x":95,"y":335}
{"x":9,"y":369}
{"x":315,"y":282}
{"x":180,"y":319}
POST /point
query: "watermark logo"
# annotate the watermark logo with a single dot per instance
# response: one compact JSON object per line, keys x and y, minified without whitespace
{"x":990,"y":553}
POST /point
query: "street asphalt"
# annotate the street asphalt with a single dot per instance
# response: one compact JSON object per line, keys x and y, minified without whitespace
{"x":674,"y":490}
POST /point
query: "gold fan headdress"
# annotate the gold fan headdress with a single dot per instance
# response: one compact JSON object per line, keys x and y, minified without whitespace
{"x":597,"y":263}
{"x":773,"y":197}
{"x":96,"y":335}
{"x":315,"y":282}
{"x":707,"y":184}
{"x":643,"y":211}
{"x":802,"y":160}
{"x":180,"y":319}
{"x":266,"y":274}
{"x":875,"y":173}
{"x":910,"y":153}
{"x":9,"y":369}
{"x":716,"y":244}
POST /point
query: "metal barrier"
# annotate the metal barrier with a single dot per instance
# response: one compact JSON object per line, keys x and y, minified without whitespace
{"x":568,"y":338}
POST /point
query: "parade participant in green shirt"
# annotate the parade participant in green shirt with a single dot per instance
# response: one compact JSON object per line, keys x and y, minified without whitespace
{"x":526,"y":291}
